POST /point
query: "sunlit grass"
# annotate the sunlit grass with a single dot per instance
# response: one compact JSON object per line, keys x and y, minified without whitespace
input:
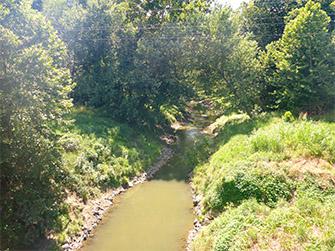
{"x":271,"y":183}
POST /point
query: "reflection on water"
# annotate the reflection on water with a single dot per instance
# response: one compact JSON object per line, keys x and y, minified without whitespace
{"x":154,"y":216}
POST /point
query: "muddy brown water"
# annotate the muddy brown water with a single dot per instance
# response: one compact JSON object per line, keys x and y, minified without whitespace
{"x":154,"y":216}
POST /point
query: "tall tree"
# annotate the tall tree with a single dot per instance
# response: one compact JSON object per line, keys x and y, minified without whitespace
{"x":266,"y":19}
{"x":227,"y":64}
{"x":34,"y":84}
{"x":115,"y":54}
{"x":302,"y":63}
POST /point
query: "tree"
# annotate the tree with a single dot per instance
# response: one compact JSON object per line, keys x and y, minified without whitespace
{"x":116,"y":55}
{"x":227,"y":64}
{"x":301,"y":65}
{"x":265,"y":19}
{"x":34,"y":84}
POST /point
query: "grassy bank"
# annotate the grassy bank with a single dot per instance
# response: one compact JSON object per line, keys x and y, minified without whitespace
{"x":270,"y":185}
{"x":98,"y":154}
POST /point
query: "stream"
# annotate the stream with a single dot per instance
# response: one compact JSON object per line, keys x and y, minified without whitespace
{"x":154,"y":216}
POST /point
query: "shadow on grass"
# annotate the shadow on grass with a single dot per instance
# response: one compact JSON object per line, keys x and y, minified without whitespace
{"x":327,"y":117}
{"x":236,"y":127}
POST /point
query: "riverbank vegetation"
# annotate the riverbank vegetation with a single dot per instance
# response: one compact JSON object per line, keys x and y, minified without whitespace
{"x":97,"y":153}
{"x":87,"y":87}
{"x":100,"y":153}
{"x":269,"y":187}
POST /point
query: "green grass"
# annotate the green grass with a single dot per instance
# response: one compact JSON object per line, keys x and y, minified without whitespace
{"x":306,"y":224}
{"x":99,"y":153}
{"x":263,"y":168}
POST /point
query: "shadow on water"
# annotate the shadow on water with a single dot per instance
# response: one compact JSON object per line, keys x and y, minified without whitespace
{"x":178,"y":167}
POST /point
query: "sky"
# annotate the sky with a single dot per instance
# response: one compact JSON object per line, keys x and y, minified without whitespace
{"x":234,"y":3}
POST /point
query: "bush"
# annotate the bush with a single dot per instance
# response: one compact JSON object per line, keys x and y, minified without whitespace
{"x":70,"y":142}
{"x":244,"y":180}
{"x":288,"y":117}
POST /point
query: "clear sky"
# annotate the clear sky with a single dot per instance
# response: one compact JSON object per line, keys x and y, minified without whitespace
{"x":234,"y":3}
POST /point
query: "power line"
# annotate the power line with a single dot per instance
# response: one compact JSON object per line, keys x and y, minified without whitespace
{"x":174,"y":37}
{"x":170,"y":27}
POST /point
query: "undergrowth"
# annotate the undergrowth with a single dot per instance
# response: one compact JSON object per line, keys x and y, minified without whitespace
{"x":270,"y":183}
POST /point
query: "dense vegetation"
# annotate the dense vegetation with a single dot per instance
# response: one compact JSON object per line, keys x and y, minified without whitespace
{"x":270,"y":184}
{"x":129,"y":67}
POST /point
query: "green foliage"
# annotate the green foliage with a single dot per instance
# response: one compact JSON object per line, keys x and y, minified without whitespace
{"x":303,"y":61}
{"x":267,"y":187}
{"x":266,"y":19}
{"x":306,"y":223}
{"x":121,"y":65}
{"x":288,"y":117}
{"x":240,"y":181}
{"x":38,"y":164}
{"x":100,"y":153}
{"x":141,"y":62}
{"x":171,"y":113}
{"x":33,"y":98}
{"x":135,"y":59}
{"x":227,"y":63}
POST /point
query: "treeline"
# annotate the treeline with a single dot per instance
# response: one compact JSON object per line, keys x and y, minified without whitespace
{"x":132,"y":59}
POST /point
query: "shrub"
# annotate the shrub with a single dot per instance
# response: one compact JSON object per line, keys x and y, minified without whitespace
{"x":288,"y":117}
{"x":244,"y":180}
{"x":70,"y":142}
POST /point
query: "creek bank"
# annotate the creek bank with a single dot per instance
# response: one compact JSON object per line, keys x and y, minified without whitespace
{"x":197,"y":223}
{"x":94,"y":210}
{"x":200,"y":220}
{"x":97,"y":208}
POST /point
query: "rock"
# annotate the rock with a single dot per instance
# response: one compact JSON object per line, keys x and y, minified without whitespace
{"x":125,"y":186}
{"x":66,"y":246}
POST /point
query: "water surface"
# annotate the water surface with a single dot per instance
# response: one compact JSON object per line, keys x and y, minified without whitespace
{"x":154,"y":216}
